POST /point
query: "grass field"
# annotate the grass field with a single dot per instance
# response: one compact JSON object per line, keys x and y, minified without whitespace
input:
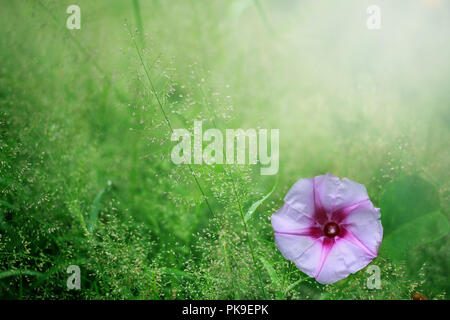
{"x":85,"y":171}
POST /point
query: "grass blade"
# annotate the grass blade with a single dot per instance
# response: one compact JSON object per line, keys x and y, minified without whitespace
{"x":93,"y":214}
{"x":273,"y":276}
{"x":256,"y":204}
{"x":137,"y":14}
{"x":293,"y":285}
{"x":10,"y":273}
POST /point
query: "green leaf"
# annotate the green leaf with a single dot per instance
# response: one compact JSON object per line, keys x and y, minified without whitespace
{"x":273,"y":276}
{"x":256,"y":204}
{"x":93,"y":214}
{"x":422,"y":230}
{"x":293,"y":285}
{"x":405,"y":199}
{"x":410,"y":216}
{"x":74,"y":208}
{"x":10,"y":273}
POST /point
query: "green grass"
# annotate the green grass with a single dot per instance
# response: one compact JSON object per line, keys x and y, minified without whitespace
{"x":85,"y":170}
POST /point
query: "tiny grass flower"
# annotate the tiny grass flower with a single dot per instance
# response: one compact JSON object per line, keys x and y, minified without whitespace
{"x":328,"y":227}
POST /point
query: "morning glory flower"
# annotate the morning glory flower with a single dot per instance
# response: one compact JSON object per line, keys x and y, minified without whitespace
{"x":328,"y":227}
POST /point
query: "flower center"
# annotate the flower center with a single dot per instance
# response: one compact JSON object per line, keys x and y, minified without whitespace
{"x":331,"y":229}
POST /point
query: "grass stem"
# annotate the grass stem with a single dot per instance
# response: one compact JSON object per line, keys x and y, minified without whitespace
{"x":168,"y":123}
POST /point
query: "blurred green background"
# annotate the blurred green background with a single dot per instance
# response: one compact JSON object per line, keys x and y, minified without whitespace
{"x":85,"y":171}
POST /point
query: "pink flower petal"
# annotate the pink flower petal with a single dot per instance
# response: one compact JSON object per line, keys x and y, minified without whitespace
{"x":301,"y":197}
{"x":302,"y":227}
{"x":294,"y":231}
{"x":341,"y":214}
{"x":344,"y":258}
{"x":335,"y":193}
{"x":327,"y":245}
{"x":365,"y":226}
{"x":320,"y":214}
{"x":293,"y":246}
{"x":309,"y":260}
{"x":288,"y":219}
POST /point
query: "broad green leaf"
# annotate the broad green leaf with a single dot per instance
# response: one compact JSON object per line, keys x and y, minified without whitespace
{"x":422,"y":230}
{"x":256,"y":204}
{"x":405,"y":199}
{"x":410,"y":215}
